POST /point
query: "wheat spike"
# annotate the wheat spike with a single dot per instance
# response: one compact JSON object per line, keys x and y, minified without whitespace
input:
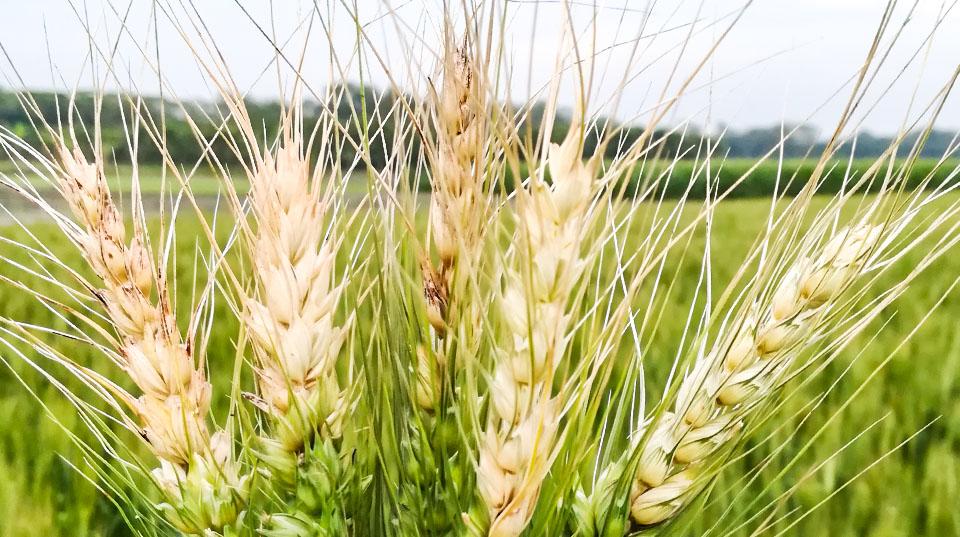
{"x":715,"y":398}
{"x":176,"y":395}
{"x":175,"y":400}
{"x":456,"y":205}
{"x":516,"y":451}
{"x":295,"y":339}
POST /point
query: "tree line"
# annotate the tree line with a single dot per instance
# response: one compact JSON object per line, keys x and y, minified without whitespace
{"x":116,"y":116}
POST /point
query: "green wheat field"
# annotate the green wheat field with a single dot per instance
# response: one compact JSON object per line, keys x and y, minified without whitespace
{"x":870,"y":480}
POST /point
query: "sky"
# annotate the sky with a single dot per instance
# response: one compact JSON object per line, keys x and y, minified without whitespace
{"x":783,"y":61}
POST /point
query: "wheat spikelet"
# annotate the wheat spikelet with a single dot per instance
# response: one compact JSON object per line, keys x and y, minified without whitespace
{"x":516,"y":450}
{"x":715,"y":398}
{"x":202,"y":483}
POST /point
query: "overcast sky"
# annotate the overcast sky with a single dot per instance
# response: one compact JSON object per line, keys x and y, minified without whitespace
{"x":782,"y":61}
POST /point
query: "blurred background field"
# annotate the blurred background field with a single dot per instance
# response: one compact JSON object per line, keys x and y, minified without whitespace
{"x":750,"y":177}
{"x":914,"y":491}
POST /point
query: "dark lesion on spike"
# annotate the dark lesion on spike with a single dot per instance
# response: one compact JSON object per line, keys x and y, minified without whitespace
{"x":435,"y":296}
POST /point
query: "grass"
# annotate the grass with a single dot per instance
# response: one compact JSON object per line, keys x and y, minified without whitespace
{"x":912,"y":492}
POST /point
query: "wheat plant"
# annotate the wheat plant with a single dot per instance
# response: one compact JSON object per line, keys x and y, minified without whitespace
{"x":471,"y":360}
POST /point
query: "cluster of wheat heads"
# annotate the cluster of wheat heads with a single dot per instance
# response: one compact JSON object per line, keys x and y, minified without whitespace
{"x":474,"y":367}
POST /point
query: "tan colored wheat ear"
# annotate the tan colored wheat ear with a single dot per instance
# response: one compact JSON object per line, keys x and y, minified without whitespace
{"x":175,"y":397}
{"x":517,"y":447}
{"x":726,"y":384}
{"x":456,"y":205}
{"x":291,"y":318}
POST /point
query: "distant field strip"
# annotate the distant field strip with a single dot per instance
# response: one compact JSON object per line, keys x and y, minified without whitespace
{"x":768,"y":177}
